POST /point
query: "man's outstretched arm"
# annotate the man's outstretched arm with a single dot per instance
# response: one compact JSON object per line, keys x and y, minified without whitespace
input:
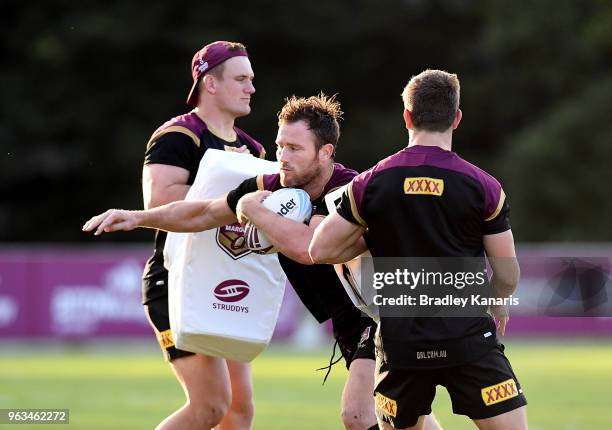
{"x":335,"y":240}
{"x":180,"y":216}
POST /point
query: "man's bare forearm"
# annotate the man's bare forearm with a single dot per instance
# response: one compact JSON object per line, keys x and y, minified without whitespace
{"x":187,"y":216}
{"x":289,"y":237}
{"x":180,"y":216}
{"x":348,"y":252}
{"x":332,"y":238}
{"x":506,"y":275}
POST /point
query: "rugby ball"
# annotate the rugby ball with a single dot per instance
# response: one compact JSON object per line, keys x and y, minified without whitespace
{"x":292,"y":203}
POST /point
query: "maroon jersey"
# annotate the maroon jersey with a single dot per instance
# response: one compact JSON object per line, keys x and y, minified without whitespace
{"x":428,"y":202}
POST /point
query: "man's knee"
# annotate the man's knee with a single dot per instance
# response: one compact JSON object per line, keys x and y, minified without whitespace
{"x":245,"y":408}
{"x":356,"y":419}
{"x":209,"y":413}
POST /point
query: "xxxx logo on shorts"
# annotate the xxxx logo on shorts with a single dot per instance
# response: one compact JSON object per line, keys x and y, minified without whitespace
{"x":386,"y":405}
{"x":230,"y":239}
{"x":422,"y":185}
{"x":165,"y":339}
{"x":500,"y":392}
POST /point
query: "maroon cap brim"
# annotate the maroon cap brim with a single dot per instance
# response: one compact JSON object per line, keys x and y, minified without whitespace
{"x":192,"y":98}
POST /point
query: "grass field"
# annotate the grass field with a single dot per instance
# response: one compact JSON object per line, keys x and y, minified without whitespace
{"x":568,"y":385}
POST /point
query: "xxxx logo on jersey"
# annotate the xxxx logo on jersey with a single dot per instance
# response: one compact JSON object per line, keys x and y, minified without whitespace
{"x":385,"y":404}
{"x":500,"y":392}
{"x":422,"y":185}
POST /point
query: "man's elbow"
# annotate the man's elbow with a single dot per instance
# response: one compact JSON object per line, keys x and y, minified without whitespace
{"x":304,"y":258}
{"x":320,"y":255}
{"x":316,"y":253}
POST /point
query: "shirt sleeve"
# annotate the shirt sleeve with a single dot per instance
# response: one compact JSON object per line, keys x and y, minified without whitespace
{"x":321,"y":210}
{"x":174,"y":149}
{"x":349,"y":205}
{"x":247,"y":186}
{"x":498,"y":220}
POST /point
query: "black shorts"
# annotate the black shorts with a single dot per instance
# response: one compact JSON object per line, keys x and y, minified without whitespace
{"x":484,"y":388}
{"x":356,"y":339}
{"x":157,"y":314}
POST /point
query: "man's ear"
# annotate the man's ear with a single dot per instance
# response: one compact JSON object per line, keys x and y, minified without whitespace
{"x":327,"y":151}
{"x":407,"y":119}
{"x":209,"y":84}
{"x":457,"y":120}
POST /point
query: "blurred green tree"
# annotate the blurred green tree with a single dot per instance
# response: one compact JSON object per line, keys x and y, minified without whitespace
{"x":84,"y":85}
